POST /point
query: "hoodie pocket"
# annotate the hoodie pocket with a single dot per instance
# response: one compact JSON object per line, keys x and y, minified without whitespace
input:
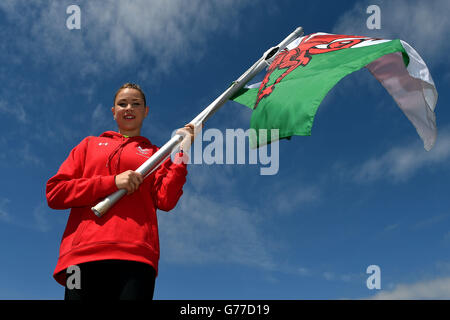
{"x":79,"y":233}
{"x":115,"y":229}
{"x":86,"y":223}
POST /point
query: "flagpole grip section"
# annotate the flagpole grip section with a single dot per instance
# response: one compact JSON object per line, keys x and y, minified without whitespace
{"x":103,"y":206}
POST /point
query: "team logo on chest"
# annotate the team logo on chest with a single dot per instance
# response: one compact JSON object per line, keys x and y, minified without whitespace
{"x":143,"y":151}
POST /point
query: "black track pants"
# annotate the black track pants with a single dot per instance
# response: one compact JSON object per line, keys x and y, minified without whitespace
{"x":113,"y":280}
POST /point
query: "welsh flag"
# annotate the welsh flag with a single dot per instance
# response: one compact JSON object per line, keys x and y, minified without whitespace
{"x":300,"y":77}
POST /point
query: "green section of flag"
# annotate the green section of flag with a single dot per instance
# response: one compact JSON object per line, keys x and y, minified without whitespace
{"x":292,"y":105}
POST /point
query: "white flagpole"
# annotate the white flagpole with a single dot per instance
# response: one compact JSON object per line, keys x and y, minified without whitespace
{"x":164,"y":152}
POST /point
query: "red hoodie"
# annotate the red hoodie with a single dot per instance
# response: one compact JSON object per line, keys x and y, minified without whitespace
{"x":129,"y":230}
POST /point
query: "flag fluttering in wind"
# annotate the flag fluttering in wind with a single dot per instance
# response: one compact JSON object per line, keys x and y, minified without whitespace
{"x":299,"y":78}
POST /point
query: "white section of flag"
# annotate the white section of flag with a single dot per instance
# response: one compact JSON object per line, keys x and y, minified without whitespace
{"x":412,"y":88}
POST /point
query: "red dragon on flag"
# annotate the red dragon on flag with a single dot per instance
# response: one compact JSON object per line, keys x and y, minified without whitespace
{"x":302,"y":55}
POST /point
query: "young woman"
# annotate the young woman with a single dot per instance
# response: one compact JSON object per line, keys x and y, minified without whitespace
{"x":116,"y":255}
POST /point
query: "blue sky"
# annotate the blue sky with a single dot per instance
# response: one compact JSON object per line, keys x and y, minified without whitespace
{"x":360,"y":191}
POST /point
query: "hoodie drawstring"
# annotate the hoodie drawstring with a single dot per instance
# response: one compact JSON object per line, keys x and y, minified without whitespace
{"x":119,"y":150}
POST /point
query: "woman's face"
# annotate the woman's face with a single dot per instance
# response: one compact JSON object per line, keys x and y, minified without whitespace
{"x":129,"y":111}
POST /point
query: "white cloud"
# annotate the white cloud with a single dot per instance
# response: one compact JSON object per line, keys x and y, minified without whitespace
{"x":4,"y":215}
{"x":202,"y":230}
{"x":328,"y":275}
{"x":212,"y":223}
{"x":443,"y":266}
{"x":391,"y":227}
{"x":205,"y":229}
{"x":19,"y":153}
{"x":15,"y":110}
{"x":430,"y":222}
{"x":27,"y":156}
{"x":115,"y":33}
{"x":303,"y":271}
{"x":423,"y":24}
{"x":101,"y":119}
{"x":438,"y":288}
{"x":345,"y":277}
{"x":116,"y":37}
{"x":294,"y":199}
{"x":41,"y":216}
{"x":227,"y":176}
{"x":401,"y":162}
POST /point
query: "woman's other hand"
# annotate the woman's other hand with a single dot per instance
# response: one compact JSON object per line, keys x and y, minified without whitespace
{"x":189,"y":132}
